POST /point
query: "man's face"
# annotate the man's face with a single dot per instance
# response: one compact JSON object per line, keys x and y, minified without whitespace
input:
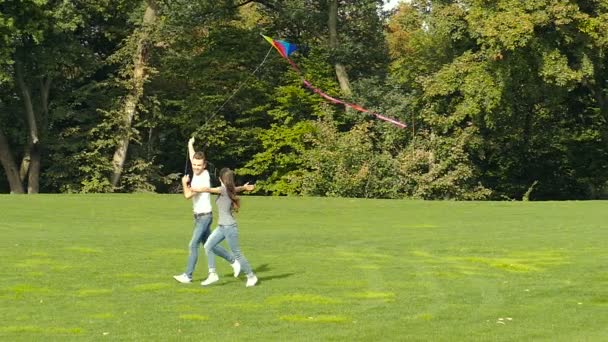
{"x":198,"y":165}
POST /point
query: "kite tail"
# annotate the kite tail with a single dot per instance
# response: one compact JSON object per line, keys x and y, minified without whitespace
{"x":285,"y":49}
{"x":353,"y":106}
{"x":293,"y":65}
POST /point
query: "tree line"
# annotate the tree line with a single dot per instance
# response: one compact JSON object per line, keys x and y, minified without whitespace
{"x":503,"y":99}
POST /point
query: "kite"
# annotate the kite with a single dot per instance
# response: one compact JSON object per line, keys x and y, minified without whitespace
{"x":285,"y":49}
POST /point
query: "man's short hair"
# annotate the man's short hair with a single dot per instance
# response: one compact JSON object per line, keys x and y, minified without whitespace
{"x":199,"y":155}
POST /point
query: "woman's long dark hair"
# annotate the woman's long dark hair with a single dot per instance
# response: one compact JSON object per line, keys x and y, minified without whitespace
{"x":227,"y":178}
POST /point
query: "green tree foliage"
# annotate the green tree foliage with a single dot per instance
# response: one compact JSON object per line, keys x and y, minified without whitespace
{"x":521,"y":73}
{"x":55,"y":48}
{"x":85,"y":142}
{"x":358,"y":26}
{"x":439,"y":167}
{"x":351,"y":164}
{"x":206,"y":85}
{"x":347,"y":165}
{"x":503,"y":99}
{"x":291,"y":112}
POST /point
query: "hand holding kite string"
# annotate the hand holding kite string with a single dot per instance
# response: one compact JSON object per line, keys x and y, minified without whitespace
{"x":285,"y":49}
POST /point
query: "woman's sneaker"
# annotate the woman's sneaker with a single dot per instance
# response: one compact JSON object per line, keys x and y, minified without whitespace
{"x":236,"y":266}
{"x":251,"y":281}
{"x":212,"y":278}
{"x":183,"y":278}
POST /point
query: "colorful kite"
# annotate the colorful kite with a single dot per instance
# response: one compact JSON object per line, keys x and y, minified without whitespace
{"x":285,"y":49}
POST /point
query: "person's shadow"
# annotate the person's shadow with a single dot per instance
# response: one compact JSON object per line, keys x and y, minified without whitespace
{"x":264,"y":269}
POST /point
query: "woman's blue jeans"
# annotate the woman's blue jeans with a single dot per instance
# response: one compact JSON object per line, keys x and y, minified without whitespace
{"x":231,"y":234}
{"x":200,"y":234}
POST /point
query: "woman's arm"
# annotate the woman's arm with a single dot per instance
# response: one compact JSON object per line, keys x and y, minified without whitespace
{"x":217,"y":190}
{"x":190,"y":191}
{"x":246,"y":187}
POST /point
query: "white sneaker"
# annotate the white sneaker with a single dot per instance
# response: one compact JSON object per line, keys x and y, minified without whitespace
{"x":236,"y":266}
{"x":212,"y":278}
{"x":251,"y":281}
{"x":183,"y":278}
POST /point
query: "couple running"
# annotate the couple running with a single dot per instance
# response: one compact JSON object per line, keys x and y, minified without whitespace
{"x":199,"y":189}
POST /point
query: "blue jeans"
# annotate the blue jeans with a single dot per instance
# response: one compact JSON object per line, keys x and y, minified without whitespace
{"x":231,"y":234}
{"x":202,"y":230}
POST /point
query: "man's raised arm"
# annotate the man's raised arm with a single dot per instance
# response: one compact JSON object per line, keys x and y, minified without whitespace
{"x":191,"y":148}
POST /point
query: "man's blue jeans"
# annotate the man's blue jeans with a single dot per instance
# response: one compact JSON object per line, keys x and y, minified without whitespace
{"x":202,"y":230}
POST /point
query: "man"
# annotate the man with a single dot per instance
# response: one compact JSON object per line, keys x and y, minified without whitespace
{"x":203,"y":216}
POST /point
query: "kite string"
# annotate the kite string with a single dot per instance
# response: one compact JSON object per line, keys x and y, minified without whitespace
{"x":186,"y":165}
{"x":226,"y":101}
{"x":237,"y":89}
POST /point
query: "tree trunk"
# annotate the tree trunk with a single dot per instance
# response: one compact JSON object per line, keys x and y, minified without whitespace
{"x":9,"y":165}
{"x":132,"y":99}
{"x":30,"y":116}
{"x":594,"y":85}
{"x":30,"y":164}
{"x":333,"y":44}
{"x":35,"y":149}
{"x":601,"y":99}
{"x":25,"y":162}
{"x":33,"y":179}
{"x":45,"y":89}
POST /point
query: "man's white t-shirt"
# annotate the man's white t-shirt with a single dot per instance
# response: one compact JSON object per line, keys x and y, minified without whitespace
{"x":201,"y":201}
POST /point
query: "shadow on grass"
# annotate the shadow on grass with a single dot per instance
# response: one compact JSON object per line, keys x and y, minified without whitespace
{"x":260,"y":270}
{"x":264,"y":268}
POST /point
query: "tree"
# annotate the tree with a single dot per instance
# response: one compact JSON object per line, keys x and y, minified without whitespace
{"x":333,"y":37}
{"x":514,"y":71}
{"x":332,"y":25}
{"x":9,"y":165}
{"x":37,"y":60}
{"x":141,"y":44}
{"x":56,"y":47}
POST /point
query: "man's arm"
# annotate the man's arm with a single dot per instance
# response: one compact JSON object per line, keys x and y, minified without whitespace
{"x":188,"y":193}
{"x":191,"y":148}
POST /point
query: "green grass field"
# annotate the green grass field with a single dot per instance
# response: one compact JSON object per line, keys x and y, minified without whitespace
{"x":100,"y":267}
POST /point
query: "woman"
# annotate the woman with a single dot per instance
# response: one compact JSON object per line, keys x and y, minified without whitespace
{"x":227,"y":203}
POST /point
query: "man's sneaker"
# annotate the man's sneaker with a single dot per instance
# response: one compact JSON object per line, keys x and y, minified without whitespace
{"x":236,"y":266}
{"x":251,"y":281}
{"x":212,"y":278}
{"x":183,"y":278}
